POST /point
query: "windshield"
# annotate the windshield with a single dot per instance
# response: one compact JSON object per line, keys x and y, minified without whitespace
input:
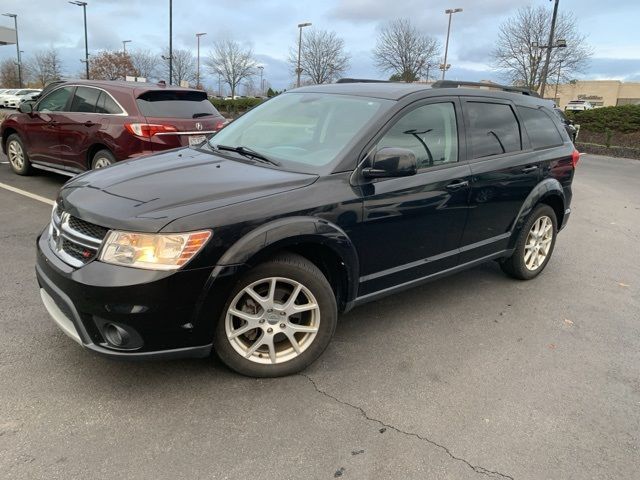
{"x":303,"y":131}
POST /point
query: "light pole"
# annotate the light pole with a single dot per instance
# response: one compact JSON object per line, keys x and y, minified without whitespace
{"x":552,"y":31}
{"x":555,"y":95}
{"x":450,"y":12}
{"x":261,"y":68}
{"x":124,"y":45}
{"x":86,"y":41}
{"x":299,"y":70}
{"x":198,"y":35}
{"x":170,"y":42}
{"x":15,"y":21}
{"x":560,"y":43}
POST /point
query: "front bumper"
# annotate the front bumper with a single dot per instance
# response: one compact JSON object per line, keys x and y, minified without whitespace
{"x":159,"y":309}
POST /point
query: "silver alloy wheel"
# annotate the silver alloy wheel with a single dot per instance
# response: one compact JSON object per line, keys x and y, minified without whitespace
{"x":272,"y":320}
{"x":15,"y":154}
{"x":538,"y":244}
{"x":102,"y":162}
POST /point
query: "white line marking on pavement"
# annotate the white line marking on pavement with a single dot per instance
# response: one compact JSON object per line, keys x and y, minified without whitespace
{"x":27,"y":194}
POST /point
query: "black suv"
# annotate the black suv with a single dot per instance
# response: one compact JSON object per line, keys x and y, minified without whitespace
{"x":316,"y":201}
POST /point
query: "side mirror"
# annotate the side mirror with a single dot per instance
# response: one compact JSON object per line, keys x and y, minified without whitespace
{"x":26,"y":107}
{"x":392,"y":162}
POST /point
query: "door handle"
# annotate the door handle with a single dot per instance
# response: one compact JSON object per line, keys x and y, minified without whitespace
{"x":457,"y":185}
{"x":530,"y":169}
{"x":89,"y":123}
{"x":52,"y":123}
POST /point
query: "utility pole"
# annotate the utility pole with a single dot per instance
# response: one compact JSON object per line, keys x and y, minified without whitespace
{"x":261,"y":68}
{"x":557,"y":82}
{"x":15,"y":21}
{"x":124,"y":45}
{"x":86,"y":40}
{"x":449,"y":12}
{"x":552,"y":31}
{"x":198,"y":35}
{"x":299,"y":69}
{"x":170,"y":42}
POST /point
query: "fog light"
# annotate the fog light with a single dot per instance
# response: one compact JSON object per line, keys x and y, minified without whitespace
{"x":116,"y":336}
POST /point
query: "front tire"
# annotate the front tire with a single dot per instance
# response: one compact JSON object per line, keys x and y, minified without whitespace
{"x":534,"y":245}
{"x":279,"y":318}
{"x":17,"y":155}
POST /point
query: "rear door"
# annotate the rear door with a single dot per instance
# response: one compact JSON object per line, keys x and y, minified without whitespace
{"x":504,"y":171}
{"x":187,"y":112}
{"x":78,"y":126}
{"x":41,"y":129}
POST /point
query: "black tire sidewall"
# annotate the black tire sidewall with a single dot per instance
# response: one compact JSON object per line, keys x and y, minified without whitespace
{"x":310,"y":276}
{"x":519,"y":268}
{"x":102,"y":153}
{"x":26,"y":168}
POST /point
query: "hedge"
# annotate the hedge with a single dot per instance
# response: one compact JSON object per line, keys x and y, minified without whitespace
{"x":620,"y":119}
{"x":234,"y":106}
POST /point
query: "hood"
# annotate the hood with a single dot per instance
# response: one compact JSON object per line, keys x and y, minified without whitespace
{"x":147,"y":193}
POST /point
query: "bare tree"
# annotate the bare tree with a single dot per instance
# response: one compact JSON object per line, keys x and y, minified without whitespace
{"x":401,"y":49}
{"x":45,"y":67}
{"x":183,"y":66}
{"x":110,"y":65}
{"x":232,"y":62}
{"x":322,"y":58}
{"x":9,"y":74}
{"x":145,"y":64}
{"x":521,"y":62}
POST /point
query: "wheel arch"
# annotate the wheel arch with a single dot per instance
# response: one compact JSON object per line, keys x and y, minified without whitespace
{"x":8,"y":131}
{"x":93,"y":149}
{"x":549,"y":192}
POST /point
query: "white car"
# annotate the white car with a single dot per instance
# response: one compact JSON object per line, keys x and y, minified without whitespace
{"x":7,"y":93}
{"x":578,"y":105}
{"x":14,"y":100}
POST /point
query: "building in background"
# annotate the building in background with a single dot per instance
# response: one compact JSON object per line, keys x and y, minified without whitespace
{"x":7,"y":36}
{"x":600,"y":93}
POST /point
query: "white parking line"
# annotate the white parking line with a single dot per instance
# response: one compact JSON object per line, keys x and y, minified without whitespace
{"x":27,"y":194}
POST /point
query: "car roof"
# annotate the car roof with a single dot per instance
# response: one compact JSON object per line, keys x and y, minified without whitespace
{"x":399,"y":90}
{"x":124,"y":86}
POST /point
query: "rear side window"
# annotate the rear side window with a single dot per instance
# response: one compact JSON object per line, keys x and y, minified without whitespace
{"x":106,"y":104}
{"x":175,"y":104}
{"x":56,"y":101}
{"x":540,"y":127}
{"x":493,"y":129}
{"x":84,"y":100}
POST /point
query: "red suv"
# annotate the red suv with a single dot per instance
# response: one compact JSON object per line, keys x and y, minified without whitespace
{"x":80,"y":125}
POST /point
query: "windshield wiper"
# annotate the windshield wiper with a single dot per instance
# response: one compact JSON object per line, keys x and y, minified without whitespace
{"x":248,"y":152}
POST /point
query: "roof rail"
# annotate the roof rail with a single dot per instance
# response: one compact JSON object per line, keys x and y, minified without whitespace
{"x":362,"y":80}
{"x":495,"y":86}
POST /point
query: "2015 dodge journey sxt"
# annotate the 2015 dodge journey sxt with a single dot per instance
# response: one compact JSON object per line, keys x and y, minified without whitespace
{"x":316,"y":201}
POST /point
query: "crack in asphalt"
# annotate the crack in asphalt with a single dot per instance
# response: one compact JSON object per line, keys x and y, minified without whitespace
{"x":475,"y":468}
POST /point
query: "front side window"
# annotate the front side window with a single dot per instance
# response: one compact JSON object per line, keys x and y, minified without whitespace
{"x":304,"y":131}
{"x":430,"y":132}
{"x":84,"y":100}
{"x":56,"y":101}
{"x":493,"y":129}
{"x":541,"y":129}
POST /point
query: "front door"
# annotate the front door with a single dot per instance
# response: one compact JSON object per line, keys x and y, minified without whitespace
{"x":412,"y":226}
{"x":42,"y":127}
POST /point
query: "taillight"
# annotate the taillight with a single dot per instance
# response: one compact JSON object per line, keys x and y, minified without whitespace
{"x":575,"y":156}
{"x":220,"y":124}
{"x":148,"y":130}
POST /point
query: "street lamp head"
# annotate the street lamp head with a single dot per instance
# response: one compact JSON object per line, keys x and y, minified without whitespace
{"x":12,"y":15}
{"x":449,"y":11}
{"x":307,"y":24}
{"x":80,"y":4}
{"x":201,"y":34}
{"x":561,"y":43}
{"x":127,"y":41}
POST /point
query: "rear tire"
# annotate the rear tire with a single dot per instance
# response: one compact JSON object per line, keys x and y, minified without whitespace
{"x":534,"y":245}
{"x":264,"y":331}
{"x":102,"y":159}
{"x":17,"y":155}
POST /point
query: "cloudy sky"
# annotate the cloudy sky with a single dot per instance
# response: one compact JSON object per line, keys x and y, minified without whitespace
{"x":269,"y":28}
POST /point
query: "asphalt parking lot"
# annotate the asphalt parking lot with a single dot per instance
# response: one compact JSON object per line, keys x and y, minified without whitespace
{"x":475,"y":376}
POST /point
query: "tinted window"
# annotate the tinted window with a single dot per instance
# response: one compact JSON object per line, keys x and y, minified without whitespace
{"x":84,"y":100}
{"x":175,"y":104}
{"x":430,"y":132}
{"x":540,"y":128}
{"x":106,"y":104}
{"x":56,"y":101}
{"x":493,"y":129}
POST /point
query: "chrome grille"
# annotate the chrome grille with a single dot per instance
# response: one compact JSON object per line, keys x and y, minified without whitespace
{"x":75,"y":241}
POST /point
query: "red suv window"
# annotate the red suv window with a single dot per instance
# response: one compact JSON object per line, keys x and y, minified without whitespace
{"x":175,"y":104}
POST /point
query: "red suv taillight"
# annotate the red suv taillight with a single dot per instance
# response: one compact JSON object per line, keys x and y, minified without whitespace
{"x":148,"y":130}
{"x":220,"y":124}
{"x":575,"y":156}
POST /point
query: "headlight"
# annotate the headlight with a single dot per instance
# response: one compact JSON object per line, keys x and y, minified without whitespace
{"x":152,"y":251}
